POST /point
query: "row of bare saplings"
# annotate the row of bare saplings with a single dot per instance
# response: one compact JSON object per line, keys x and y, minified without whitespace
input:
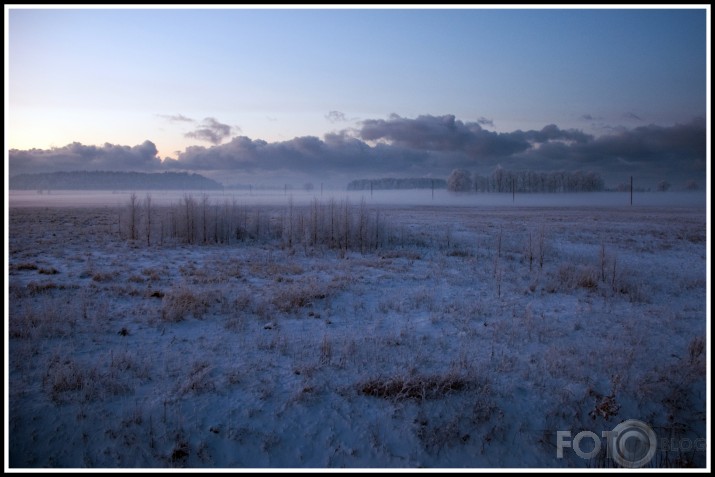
{"x":329,"y":224}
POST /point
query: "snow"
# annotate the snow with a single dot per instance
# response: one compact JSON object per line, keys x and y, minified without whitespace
{"x":444,"y":349}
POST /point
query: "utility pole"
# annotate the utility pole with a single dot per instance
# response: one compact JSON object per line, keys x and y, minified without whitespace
{"x":631,"y":190}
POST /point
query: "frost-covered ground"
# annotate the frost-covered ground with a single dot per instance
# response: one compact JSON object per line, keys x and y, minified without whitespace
{"x":467,"y":338}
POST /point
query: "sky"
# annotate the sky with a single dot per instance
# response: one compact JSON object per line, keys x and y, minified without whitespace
{"x":251,"y":94}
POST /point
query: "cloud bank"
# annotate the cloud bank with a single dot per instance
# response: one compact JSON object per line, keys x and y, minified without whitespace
{"x":405,"y":147}
{"x":78,"y":157}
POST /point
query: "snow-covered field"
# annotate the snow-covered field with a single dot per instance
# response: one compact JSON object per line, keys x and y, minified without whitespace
{"x":464,"y":337}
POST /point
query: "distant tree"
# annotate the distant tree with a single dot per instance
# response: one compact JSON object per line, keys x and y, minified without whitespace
{"x":502,"y":180}
{"x":133,"y":207}
{"x":663,"y":186}
{"x":499,"y":178}
{"x":692,"y":185}
{"x":308,"y":186}
{"x":147,"y":208}
{"x":459,"y":181}
{"x":204,"y":208}
{"x":386,"y":183}
{"x":189,"y":206}
{"x":481,"y":183}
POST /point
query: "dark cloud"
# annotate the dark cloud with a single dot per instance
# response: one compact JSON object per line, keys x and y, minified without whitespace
{"x":78,"y":157}
{"x":553,"y":133}
{"x":336,"y":153}
{"x":336,"y":117}
{"x":653,"y":144}
{"x":426,"y":145}
{"x":447,"y":134}
{"x":211,"y":130}
{"x":649,"y":152}
{"x":176,"y":118}
{"x":440,"y":133}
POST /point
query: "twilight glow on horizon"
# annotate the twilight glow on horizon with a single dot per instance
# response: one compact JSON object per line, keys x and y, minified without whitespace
{"x":355,"y":92}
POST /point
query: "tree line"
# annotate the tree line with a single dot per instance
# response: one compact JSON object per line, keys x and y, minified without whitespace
{"x":397,"y":183}
{"x":502,"y":180}
{"x":112,"y":180}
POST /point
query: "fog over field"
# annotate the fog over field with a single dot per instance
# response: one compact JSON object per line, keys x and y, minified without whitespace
{"x":423,"y":197}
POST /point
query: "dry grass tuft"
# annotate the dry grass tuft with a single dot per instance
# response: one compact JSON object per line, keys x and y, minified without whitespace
{"x":48,"y":271}
{"x":35,"y":288}
{"x":294,"y":296}
{"x":24,"y":266}
{"x":414,"y":387}
{"x":572,"y":276}
{"x":180,"y":302}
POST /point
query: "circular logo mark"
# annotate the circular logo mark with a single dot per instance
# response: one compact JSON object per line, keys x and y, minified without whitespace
{"x":633,"y":444}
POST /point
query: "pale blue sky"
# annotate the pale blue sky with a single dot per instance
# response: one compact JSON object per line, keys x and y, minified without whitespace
{"x":120,"y":75}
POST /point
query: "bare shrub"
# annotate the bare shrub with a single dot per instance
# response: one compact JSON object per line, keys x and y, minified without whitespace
{"x":124,"y":362}
{"x":460,"y":253}
{"x":626,"y":283}
{"x":339,"y":226}
{"x":67,"y":380}
{"x":50,"y":318}
{"x":571,"y":276}
{"x":326,"y":350}
{"x":541,"y":243}
{"x":133,"y":215}
{"x":62,"y":378}
{"x":180,"y":302}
